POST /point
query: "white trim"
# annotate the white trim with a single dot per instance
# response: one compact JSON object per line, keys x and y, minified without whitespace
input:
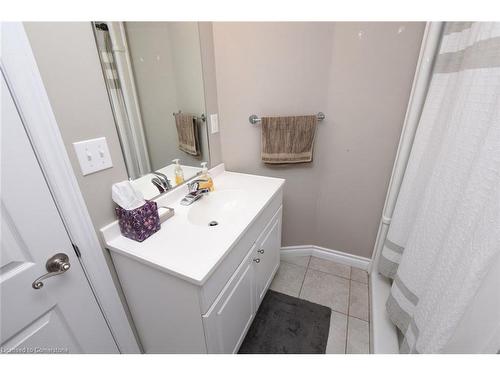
{"x":21,"y":70}
{"x":328,"y":254}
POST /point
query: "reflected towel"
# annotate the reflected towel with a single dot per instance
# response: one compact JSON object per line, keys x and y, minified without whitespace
{"x":288,"y":139}
{"x":187,"y":133}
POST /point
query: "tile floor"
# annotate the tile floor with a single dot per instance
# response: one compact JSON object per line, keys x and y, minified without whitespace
{"x":342,"y":288}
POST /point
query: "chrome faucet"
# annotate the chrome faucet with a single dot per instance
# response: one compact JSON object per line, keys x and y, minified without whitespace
{"x":195,"y":192}
{"x":161,"y":182}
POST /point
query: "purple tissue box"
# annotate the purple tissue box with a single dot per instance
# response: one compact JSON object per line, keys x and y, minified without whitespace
{"x":139,"y":223}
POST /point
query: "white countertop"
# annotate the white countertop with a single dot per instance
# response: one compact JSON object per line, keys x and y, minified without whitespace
{"x":192,"y":252}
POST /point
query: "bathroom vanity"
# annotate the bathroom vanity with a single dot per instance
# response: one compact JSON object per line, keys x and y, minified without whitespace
{"x":194,"y":287}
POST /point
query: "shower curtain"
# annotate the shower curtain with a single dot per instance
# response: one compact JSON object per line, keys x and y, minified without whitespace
{"x":445,"y":230}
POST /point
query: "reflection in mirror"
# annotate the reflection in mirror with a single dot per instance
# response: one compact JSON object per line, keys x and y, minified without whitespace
{"x":153,"y":74}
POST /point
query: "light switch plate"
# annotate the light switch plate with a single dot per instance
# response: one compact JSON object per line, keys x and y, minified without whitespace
{"x":93,"y":155}
{"x":214,"y":123}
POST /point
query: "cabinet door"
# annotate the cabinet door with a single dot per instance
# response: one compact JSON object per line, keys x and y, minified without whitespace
{"x":267,"y":257}
{"x":228,"y":320}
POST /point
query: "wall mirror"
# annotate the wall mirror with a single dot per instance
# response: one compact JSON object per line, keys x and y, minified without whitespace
{"x":153,"y":74}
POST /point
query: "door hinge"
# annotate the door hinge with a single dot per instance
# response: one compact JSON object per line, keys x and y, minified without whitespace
{"x":77,"y":250}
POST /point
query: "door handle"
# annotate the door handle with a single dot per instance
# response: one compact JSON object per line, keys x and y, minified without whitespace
{"x":260,"y":251}
{"x":56,"y":265}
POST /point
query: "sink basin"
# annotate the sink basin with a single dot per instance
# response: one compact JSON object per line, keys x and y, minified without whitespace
{"x":218,"y":207}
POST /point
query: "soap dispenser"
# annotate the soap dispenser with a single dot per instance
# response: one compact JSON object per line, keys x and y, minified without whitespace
{"x":208,"y":183}
{"x":179,"y":174}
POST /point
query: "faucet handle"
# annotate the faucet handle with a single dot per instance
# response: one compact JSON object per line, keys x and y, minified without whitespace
{"x":195,"y":193}
{"x":194,"y":186}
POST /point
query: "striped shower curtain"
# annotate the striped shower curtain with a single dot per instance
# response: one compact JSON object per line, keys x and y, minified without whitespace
{"x":445,"y":230}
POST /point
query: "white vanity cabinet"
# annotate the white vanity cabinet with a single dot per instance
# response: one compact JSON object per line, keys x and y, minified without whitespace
{"x":229,"y":318}
{"x":177,"y":310}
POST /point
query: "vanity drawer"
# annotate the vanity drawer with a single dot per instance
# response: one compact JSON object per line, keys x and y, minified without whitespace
{"x":211,"y":289}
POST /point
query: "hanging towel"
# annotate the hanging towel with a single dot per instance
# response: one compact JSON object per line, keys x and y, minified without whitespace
{"x":445,"y":230}
{"x":288,"y":139}
{"x":187,"y":133}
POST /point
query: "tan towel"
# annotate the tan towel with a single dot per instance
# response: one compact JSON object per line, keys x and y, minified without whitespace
{"x":187,"y":133}
{"x":288,"y":139}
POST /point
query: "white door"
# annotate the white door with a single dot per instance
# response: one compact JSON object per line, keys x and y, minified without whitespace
{"x":230,"y":317}
{"x":267,"y":256}
{"x":62,"y":315}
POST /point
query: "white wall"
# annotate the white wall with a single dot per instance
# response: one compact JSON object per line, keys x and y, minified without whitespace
{"x":359,"y":75}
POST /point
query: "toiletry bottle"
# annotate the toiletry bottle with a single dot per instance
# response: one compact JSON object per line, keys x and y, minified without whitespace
{"x":207,"y":183}
{"x":179,"y":174}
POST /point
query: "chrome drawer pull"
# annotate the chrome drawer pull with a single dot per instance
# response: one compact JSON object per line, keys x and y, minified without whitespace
{"x":261,"y":251}
{"x":257,"y":260}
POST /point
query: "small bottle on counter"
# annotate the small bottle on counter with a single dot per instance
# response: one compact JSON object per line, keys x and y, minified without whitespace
{"x":207,"y":183}
{"x":179,"y":174}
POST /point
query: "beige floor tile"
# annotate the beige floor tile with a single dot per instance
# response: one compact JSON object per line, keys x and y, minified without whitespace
{"x":358,"y":336}
{"x":327,"y":290}
{"x":359,"y":275}
{"x":337,"y":335}
{"x":358,"y":300}
{"x":298,"y":260}
{"x":288,"y":279}
{"x":330,"y":267}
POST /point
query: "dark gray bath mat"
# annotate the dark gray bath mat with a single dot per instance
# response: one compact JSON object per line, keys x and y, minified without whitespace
{"x":287,"y":324}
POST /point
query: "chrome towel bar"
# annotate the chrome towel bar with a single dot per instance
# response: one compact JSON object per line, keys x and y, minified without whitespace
{"x":254,"y":119}
{"x":202,"y":117}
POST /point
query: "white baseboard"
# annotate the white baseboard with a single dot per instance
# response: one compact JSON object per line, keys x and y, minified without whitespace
{"x":329,"y":254}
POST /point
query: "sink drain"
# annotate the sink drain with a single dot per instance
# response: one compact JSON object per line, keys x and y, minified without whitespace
{"x":213,"y":223}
